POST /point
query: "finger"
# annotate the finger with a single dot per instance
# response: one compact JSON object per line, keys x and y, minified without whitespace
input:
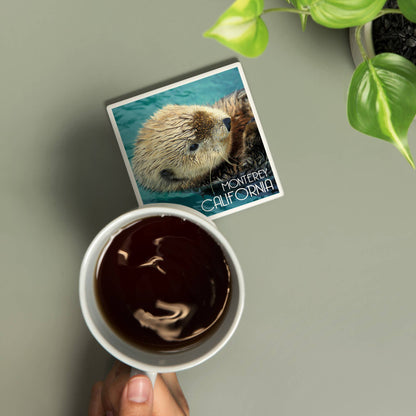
{"x":137,"y":397}
{"x":113,"y":386}
{"x":164,"y":404}
{"x":95,"y":407}
{"x":172,"y":383}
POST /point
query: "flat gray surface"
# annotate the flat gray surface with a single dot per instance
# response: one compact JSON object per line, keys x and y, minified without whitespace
{"x":329,"y":324}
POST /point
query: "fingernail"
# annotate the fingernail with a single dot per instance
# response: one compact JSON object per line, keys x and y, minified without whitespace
{"x":139,"y":389}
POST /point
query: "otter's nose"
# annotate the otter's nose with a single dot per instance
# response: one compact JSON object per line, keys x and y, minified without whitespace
{"x":227,"y":123}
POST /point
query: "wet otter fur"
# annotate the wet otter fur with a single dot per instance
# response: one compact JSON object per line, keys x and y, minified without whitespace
{"x":191,"y":146}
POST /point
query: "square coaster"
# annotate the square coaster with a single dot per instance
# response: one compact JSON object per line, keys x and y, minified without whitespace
{"x":197,"y":142}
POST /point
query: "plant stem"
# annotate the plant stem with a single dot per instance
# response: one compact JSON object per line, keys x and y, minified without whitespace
{"x":359,"y":43}
{"x":388,"y":11}
{"x":286,"y":10}
{"x":297,"y":11}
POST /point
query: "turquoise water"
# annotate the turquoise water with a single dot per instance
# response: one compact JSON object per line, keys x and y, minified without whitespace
{"x":205,"y":91}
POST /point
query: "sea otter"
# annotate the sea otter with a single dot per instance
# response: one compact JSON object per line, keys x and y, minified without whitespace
{"x":190,"y":146}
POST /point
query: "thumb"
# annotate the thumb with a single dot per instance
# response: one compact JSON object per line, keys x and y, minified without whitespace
{"x":137,"y":397}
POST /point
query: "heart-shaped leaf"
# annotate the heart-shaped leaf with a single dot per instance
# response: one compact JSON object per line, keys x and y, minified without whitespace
{"x":241,"y":28}
{"x":339,"y":14}
{"x":408,"y":8}
{"x":382,"y":99}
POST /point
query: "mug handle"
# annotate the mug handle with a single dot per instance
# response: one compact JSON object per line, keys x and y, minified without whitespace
{"x":151,"y":374}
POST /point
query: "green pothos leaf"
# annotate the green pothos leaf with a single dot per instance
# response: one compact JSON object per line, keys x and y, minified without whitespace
{"x":338,"y":14}
{"x":408,"y":8}
{"x":382,"y":99}
{"x":241,"y":28}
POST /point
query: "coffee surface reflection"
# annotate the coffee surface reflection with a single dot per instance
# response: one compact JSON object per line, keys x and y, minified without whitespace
{"x":163,"y":283}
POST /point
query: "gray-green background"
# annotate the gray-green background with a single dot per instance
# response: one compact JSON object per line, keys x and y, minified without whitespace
{"x":329,"y":323}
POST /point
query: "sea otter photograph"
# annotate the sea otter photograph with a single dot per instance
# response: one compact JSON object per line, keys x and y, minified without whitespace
{"x":197,"y":142}
{"x":185,"y":147}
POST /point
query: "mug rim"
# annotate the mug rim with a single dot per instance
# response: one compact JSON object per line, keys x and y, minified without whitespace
{"x":98,"y":244}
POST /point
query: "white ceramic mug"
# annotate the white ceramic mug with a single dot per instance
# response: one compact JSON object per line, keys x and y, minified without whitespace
{"x":144,"y":361}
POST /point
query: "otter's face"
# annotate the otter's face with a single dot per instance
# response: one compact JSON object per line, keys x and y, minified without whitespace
{"x":210,"y":133}
{"x":181,"y":145}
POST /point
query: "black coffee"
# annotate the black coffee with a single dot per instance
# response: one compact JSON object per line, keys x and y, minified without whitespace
{"x":163,"y":283}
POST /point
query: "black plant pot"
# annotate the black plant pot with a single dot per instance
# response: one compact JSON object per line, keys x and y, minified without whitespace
{"x":389,"y":33}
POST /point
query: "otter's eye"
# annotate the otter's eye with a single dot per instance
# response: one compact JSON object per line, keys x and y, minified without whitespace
{"x":193,"y":147}
{"x":227,"y":123}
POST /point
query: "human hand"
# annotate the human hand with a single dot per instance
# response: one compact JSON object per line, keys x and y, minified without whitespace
{"x":120,"y":395}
